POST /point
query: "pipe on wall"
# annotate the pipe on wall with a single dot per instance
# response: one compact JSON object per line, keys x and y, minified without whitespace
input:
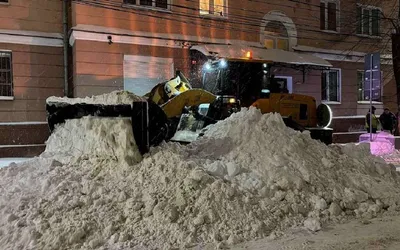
{"x":65,"y":31}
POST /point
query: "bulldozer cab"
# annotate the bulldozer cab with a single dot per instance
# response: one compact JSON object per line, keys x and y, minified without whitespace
{"x":246,"y":80}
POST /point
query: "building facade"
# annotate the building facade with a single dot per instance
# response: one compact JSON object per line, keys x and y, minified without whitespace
{"x":31,"y":69}
{"x":128,"y":42}
{"x":134,"y":44}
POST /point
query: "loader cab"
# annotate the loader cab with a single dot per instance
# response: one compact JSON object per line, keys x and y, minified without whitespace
{"x":248,"y":81}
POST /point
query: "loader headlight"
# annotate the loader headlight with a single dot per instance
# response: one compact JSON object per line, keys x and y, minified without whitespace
{"x":223,"y":63}
{"x":207,"y":66}
{"x":232,"y":100}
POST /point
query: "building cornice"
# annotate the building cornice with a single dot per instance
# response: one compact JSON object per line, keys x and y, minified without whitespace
{"x":100,"y":34}
{"x":31,"y":38}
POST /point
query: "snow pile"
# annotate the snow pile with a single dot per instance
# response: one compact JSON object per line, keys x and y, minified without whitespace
{"x":108,"y":138}
{"x":113,"y":98}
{"x":248,"y":177}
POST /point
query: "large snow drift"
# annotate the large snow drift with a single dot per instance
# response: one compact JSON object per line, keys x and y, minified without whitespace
{"x":249,"y":177}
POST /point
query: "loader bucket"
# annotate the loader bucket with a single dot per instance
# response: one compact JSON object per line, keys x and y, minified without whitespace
{"x":189,"y":98}
{"x":149,"y":123}
{"x":191,"y":124}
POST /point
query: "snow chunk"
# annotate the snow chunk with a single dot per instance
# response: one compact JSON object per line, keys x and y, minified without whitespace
{"x":113,"y":98}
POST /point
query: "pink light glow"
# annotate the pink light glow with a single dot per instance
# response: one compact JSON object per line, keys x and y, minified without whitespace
{"x":381,"y":144}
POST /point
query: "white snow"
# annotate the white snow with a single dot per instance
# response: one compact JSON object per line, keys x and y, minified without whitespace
{"x":248,"y":177}
{"x":107,"y":138}
{"x":4,"y":162}
{"x":113,"y":98}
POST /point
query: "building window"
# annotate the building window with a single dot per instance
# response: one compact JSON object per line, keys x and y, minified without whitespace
{"x":329,"y":15}
{"x":213,"y":7}
{"x":368,"y":20}
{"x":162,"y":4}
{"x":330,"y":85}
{"x":276,"y":36}
{"x":3,"y":1}
{"x":361,"y":87}
{"x":6,"y":86}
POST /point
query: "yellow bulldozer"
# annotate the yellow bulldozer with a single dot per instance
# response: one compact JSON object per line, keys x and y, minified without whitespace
{"x":174,"y":110}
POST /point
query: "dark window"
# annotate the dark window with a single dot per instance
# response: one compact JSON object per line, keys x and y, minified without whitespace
{"x":146,"y":2}
{"x":375,"y":20}
{"x":152,"y":3}
{"x":322,"y":16}
{"x":330,"y":86}
{"x":328,"y":15}
{"x":3,"y":1}
{"x":162,"y":4}
{"x":130,"y":1}
{"x":6,"y":87}
{"x":365,"y":22}
{"x":332,"y":16}
{"x":368,"y":21}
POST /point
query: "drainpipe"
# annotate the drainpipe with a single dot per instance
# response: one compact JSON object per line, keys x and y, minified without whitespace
{"x":65,"y":31}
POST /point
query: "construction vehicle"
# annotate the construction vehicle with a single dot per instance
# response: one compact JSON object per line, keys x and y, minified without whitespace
{"x":155,"y":118}
{"x":174,"y":110}
{"x":245,"y":74}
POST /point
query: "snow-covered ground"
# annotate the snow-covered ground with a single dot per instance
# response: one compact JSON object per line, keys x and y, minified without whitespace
{"x":4,"y":162}
{"x":368,"y":234}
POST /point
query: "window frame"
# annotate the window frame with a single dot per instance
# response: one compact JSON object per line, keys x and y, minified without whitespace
{"x":360,"y":23}
{"x":339,"y":101}
{"x":148,"y":7}
{"x":326,"y":16}
{"x":5,"y":3}
{"x":211,"y":7}
{"x":275,"y":40}
{"x":267,"y":36}
{"x":363,"y":84}
{"x":11,"y":96}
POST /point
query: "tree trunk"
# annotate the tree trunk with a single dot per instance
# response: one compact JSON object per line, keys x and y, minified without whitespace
{"x":396,"y":62}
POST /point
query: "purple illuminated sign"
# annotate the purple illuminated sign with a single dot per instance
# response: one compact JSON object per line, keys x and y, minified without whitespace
{"x":372,"y":60}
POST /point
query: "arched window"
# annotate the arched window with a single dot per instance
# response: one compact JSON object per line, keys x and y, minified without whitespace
{"x":276,"y":36}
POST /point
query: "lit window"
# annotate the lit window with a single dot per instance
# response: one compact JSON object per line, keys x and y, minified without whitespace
{"x":329,"y":12}
{"x":276,"y":36}
{"x":330,"y":85}
{"x":6,"y":85}
{"x":162,"y":4}
{"x":363,"y":86}
{"x":213,"y":7}
{"x":368,"y":20}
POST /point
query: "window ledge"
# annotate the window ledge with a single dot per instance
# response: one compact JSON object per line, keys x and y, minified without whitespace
{"x":5,"y":4}
{"x":141,"y":7}
{"x":6,"y":98}
{"x":330,"y":31}
{"x":369,"y":36}
{"x":367,"y":102}
{"x":331,"y":102}
{"x":213,"y":16}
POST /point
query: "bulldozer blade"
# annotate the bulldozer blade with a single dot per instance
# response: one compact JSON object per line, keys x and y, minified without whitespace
{"x":149,"y":123}
{"x":191,"y":97}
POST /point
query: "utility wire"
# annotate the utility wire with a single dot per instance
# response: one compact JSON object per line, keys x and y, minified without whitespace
{"x":117,"y":8}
